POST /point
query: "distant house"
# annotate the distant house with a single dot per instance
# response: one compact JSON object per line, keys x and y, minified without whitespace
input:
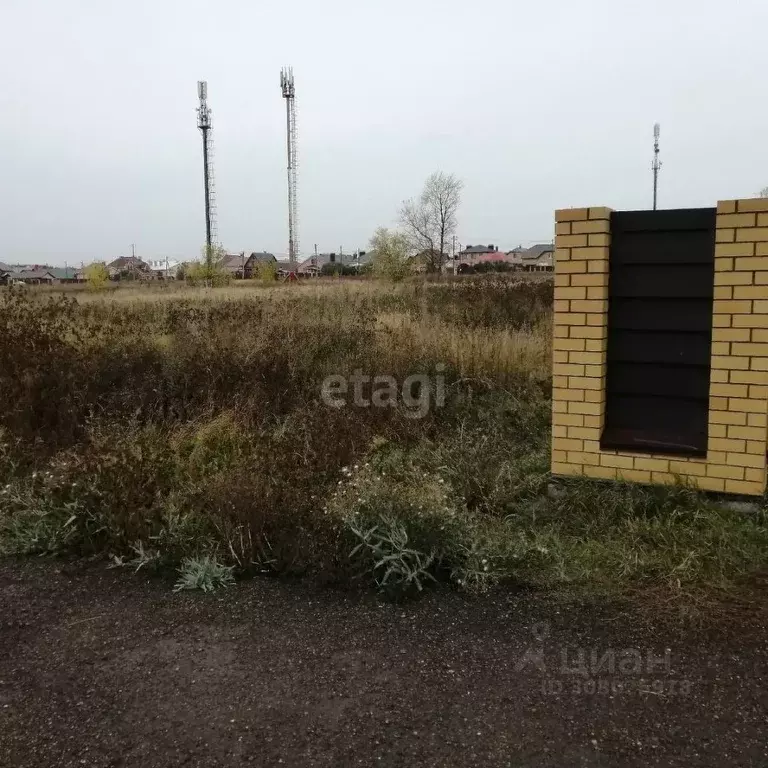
{"x":360,"y":259}
{"x":256,"y":260}
{"x":32,"y":276}
{"x":165,"y":269}
{"x":131,"y":267}
{"x":309,"y":266}
{"x":233,"y":264}
{"x":36,"y":274}
{"x":537,"y":258}
{"x":238,"y":265}
{"x":476,"y":254}
{"x":64,"y":274}
{"x":314,"y":264}
{"x":424,"y":260}
{"x":286,"y":268}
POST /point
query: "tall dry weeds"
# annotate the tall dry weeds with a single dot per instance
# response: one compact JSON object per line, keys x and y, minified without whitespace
{"x":162,"y":425}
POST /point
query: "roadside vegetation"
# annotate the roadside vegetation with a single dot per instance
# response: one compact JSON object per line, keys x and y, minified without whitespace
{"x":184,"y":432}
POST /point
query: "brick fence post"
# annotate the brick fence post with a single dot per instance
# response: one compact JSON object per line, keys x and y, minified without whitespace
{"x":582,"y":245}
{"x":738,"y":395}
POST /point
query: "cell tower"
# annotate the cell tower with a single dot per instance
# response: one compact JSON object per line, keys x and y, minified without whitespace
{"x":289,"y":94}
{"x":205,"y":124}
{"x":656,"y":163}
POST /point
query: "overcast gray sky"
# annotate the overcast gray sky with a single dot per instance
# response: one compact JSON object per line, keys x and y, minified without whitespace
{"x":534,"y":106}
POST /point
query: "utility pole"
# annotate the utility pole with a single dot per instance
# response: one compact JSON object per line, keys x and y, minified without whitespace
{"x":656,"y":163}
{"x":133,"y":250}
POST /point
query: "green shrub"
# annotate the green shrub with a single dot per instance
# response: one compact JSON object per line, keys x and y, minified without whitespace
{"x":32,"y":524}
{"x":410,"y":527}
{"x":205,"y":573}
{"x":202,"y":273}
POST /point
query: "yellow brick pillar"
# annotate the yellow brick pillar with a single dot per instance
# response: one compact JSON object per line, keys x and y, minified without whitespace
{"x":738,"y":402}
{"x":582,"y":240}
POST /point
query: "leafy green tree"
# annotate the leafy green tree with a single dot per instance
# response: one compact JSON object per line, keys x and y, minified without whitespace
{"x":266,"y":270}
{"x":200,"y":273}
{"x":97,"y":276}
{"x":209,"y":271}
{"x":390,"y":255}
{"x":212,"y":255}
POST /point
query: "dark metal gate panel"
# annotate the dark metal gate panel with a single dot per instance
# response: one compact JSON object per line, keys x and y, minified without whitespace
{"x":660,"y":294}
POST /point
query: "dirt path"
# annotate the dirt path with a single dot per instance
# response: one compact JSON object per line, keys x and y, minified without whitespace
{"x":100,"y":668}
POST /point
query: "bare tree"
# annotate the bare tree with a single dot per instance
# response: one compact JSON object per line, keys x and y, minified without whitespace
{"x":430,"y":221}
{"x":763,"y":192}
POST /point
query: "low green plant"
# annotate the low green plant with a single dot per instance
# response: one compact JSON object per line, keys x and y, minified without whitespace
{"x":35,"y":521}
{"x":148,"y":558}
{"x":411,"y":528}
{"x":205,"y":573}
{"x":397,"y":568}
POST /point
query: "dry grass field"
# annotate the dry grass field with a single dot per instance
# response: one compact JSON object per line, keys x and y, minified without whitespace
{"x":187,"y":430}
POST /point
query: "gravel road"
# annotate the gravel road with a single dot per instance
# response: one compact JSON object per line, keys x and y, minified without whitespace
{"x":101,"y":667}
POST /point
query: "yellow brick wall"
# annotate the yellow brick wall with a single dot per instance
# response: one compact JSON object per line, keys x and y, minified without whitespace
{"x":738,"y":415}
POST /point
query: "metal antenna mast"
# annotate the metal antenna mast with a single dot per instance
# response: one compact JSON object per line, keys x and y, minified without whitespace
{"x":205,"y":124}
{"x":289,"y":94}
{"x":656,"y":163}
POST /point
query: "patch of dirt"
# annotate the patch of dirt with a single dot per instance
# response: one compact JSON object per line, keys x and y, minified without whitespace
{"x":102,"y":668}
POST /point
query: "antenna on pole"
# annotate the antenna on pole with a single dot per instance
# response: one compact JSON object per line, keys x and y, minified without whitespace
{"x":656,"y":163}
{"x":205,"y":124}
{"x":288,"y":89}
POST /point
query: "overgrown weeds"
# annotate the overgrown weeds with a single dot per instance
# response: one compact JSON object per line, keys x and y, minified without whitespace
{"x":187,"y":431}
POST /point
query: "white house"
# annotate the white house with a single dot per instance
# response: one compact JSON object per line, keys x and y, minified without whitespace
{"x":165,"y":268}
